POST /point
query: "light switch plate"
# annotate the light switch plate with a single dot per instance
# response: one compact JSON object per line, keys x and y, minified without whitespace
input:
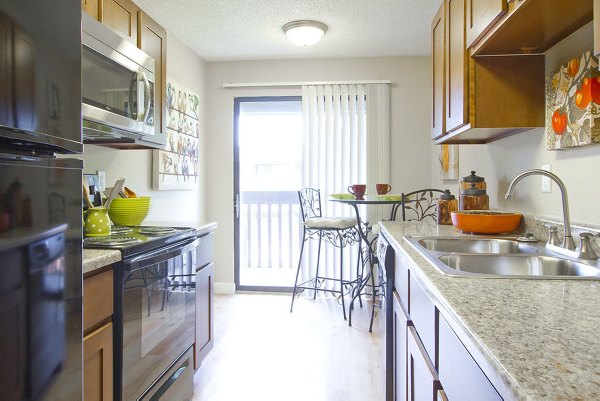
{"x":546,"y":182}
{"x":101,"y":180}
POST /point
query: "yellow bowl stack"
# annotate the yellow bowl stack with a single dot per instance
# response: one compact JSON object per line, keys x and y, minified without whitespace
{"x":129,"y":211}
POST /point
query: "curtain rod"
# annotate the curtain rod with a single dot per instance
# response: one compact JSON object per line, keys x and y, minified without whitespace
{"x":275,"y":84}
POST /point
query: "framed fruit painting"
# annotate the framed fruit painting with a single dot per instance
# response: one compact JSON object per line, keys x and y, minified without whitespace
{"x":573,"y":103}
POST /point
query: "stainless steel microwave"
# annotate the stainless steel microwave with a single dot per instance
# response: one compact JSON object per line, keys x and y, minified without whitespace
{"x":117,"y":89}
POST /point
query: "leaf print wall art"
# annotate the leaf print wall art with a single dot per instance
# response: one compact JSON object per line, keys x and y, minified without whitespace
{"x":176,"y":167}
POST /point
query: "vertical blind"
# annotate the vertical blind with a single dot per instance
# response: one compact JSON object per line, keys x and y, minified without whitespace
{"x":346,"y":141}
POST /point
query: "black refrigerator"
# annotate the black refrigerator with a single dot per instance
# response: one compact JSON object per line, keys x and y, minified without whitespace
{"x":40,"y":200}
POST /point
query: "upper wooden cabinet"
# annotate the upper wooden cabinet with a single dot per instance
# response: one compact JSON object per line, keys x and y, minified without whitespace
{"x":122,"y":17}
{"x":129,"y":21}
{"x":438,"y":37}
{"x":481,"y":16}
{"x":152,"y":39}
{"x":457,"y":73}
{"x":486,"y":98}
{"x":597,"y":27}
{"x":92,"y":7}
{"x":533,"y":26}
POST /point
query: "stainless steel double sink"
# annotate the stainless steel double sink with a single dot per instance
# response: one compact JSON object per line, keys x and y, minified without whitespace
{"x":500,"y":257}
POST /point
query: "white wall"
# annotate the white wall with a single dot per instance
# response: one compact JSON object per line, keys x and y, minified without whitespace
{"x":409,"y":125}
{"x":185,"y":207}
{"x":499,"y":162}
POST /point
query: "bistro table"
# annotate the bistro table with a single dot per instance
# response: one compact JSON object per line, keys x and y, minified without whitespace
{"x":365,"y":230}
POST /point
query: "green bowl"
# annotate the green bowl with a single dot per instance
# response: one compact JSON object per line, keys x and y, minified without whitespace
{"x":129,"y":211}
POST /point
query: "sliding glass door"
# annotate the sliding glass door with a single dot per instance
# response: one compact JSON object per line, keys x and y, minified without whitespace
{"x":267,"y":176}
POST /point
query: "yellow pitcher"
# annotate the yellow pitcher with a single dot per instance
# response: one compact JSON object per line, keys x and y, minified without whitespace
{"x":96,"y":222}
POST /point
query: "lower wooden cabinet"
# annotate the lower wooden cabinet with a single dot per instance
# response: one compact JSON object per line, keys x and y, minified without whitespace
{"x":204,"y":314}
{"x":400,"y":323}
{"x":442,"y":369}
{"x":423,"y":381}
{"x":462,"y":377}
{"x":98,"y":364}
{"x":204,"y":298}
{"x":98,"y":337}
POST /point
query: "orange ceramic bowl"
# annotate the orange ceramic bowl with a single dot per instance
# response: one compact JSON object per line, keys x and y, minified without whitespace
{"x":485,"y":221}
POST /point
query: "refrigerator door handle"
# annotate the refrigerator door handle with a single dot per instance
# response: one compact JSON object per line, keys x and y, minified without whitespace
{"x":22,"y":158}
{"x":236,"y":206}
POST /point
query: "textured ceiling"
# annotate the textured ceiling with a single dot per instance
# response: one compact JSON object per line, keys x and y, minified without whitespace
{"x":220,"y":30}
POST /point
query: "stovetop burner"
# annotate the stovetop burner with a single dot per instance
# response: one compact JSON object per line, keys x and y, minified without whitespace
{"x":156,"y":231}
{"x":136,"y":240}
{"x":111,"y":241}
{"x":115,"y":230}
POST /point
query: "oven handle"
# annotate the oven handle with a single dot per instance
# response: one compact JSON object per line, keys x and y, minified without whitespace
{"x":170,"y":381}
{"x":161,"y":255}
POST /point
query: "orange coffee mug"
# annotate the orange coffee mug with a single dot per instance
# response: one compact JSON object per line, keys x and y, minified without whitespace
{"x":383,"y":189}
{"x":358,"y":190}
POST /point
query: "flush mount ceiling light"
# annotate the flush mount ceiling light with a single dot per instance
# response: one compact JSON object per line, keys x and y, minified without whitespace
{"x":304,"y":32}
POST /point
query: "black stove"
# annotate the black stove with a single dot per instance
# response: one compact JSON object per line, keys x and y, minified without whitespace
{"x":154,"y":308}
{"x":135,"y":240}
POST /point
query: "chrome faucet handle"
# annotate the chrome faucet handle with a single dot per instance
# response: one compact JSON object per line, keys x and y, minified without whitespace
{"x":584,"y":250}
{"x":552,"y":234}
{"x":527,"y":237}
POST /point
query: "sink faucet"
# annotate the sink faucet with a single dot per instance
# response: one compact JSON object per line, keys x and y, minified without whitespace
{"x":567,"y":242}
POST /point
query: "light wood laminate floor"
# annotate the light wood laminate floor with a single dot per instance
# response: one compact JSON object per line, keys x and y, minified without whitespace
{"x":263,"y":352}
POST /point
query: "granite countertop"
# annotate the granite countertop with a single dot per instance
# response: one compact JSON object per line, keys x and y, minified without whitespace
{"x":94,"y":259}
{"x":535,"y":339}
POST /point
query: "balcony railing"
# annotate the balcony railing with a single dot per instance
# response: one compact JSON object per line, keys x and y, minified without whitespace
{"x":270,"y":239}
{"x":270,"y":231}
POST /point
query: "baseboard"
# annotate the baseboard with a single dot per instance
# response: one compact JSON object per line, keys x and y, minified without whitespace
{"x":224,"y":288}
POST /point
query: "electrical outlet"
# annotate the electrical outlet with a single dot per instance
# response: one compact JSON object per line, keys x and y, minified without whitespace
{"x":546,"y":182}
{"x":101,"y":180}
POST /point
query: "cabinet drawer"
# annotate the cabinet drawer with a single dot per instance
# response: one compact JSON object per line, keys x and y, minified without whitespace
{"x":422,"y":313}
{"x":97,"y":298}
{"x":401,"y":280}
{"x":463,"y":379}
{"x":205,"y":250}
{"x":423,"y":382}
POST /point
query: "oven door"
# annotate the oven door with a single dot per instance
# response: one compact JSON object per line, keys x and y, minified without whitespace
{"x":158,"y":309}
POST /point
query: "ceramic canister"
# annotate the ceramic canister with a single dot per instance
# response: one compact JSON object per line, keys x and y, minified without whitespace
{"x":446,"y":204}
{"x":465,"y":182}
{"x":474,"y":199}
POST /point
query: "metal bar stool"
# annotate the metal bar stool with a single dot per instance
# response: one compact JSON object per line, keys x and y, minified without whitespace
{"x":338,"y":231}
